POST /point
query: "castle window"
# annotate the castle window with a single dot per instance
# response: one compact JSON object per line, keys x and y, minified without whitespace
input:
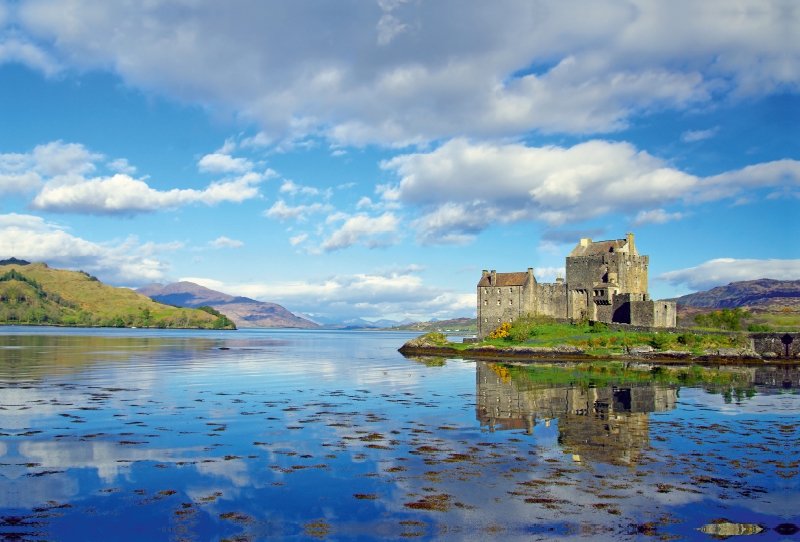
{"x":498,"y":301}
{"x":485,"y":302}
{"x":511,"y":290}
{"x":498,"y":320}
{"x":510,"y":301}
{"x":498,"y":290}
{"x":486,"y":320}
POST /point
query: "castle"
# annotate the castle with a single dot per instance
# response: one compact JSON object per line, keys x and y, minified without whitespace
{"x":606,"y":282}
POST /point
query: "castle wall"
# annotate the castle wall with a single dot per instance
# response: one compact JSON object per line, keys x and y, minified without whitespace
{"x":501,"y":304}
{"x":631,"y":271}
{"x":551,"y":300}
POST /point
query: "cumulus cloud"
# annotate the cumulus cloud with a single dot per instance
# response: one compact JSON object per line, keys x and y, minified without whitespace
{"x":224,"y":242}
{"x":292,"y":188}
{"x":654,"y":216}
{"x":281,"y":211}
{"x":121,"y":165}
{"x":60,"y":172}
{"x":31,"y":238}
{"x":463,"y":187}
{"x":366,"y":295}
{"x":434,"y":70}
{"x":721,"y":271}
{"x":374,"y":232}
{"x":123,"y":195}
{"x":224,"y":163}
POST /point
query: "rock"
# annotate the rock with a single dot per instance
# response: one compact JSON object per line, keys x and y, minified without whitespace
{"x":567,"y":349}
{"x":769,"y":355}
{"x":643,"y":349}
{"x":531,"y":350}
{"x":429,"y":340}
{"x":737,"y":353}
{"x":676,"y":354}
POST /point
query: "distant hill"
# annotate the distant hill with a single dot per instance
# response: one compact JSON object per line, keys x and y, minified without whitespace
{"x":245,"y":312}
{"x":469,"y":325}
{"x":34,"y":293}
{"x":757,"y":294}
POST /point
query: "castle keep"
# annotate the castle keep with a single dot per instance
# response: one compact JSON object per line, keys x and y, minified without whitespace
{"x":606,"y":281}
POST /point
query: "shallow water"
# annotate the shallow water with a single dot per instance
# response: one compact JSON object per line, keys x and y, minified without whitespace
{"x":259,"y":434}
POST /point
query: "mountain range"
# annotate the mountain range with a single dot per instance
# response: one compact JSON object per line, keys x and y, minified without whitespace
{"x":245,"y":312}
{"x":760,"y":294}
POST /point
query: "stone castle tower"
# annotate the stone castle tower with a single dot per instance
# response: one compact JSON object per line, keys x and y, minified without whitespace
{"x":606,"y":282}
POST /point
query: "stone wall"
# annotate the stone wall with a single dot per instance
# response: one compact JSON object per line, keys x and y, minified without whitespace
{"x":551,"y":300}
{"x":773,"y":342}
{"x":500,"y":304}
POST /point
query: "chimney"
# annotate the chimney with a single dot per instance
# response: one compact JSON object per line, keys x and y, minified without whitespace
{"x":493,"y":280}
{"x":559,"y":279}
{"x":631,"y":248}
{"x":484,"y":273}
{"x":586,"y":241}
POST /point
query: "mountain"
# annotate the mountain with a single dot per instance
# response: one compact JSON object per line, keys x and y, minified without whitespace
{"x":245,"y":312}
{"x":758,"y":294}
{"x":34,"y":293}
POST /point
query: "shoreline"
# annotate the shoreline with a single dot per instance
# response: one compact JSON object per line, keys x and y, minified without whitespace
{"x":532,"y":355}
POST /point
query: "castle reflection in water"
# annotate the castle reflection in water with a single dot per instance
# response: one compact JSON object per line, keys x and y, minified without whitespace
{"x":605,"y":424}
{"x":597,"y":424}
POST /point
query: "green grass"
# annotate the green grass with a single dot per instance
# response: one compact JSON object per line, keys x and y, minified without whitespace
{"x":605,"y":343}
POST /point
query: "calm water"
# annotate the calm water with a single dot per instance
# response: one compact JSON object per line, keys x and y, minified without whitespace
{"x":265,"y":434}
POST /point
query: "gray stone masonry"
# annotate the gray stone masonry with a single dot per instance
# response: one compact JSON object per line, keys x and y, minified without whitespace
{"x":606,"y":281}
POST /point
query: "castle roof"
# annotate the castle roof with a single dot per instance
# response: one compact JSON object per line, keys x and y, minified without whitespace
{"x":593,"y":248}
{"x":505,"y":279}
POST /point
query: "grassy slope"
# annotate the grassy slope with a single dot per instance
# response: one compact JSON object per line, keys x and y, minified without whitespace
{"x":91,"y":296}
{"x":456,"y":324}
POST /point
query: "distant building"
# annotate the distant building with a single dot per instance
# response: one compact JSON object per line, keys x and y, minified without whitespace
{"x":606,"y":282}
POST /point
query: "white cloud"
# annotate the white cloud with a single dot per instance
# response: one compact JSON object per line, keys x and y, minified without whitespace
{"x":31,"y":238}
{"x":655,"y":216}
{"x":121,"y":165}
{"x":292,"y":188}
{"x":224,"y":163}
{"x":123,"y":195}
{"x":698,"y":135}
{"x":461,"y":187}
{"x":723,"y":271}
{"x":366,"y":295}
{"x":373,"y":232}
{"x":434,"y":71}
{"x":59,"y":171}
{"x":224,"y":242}
{"x":281,"y":211}
{"x":548,"y":274}
{"x":297,"y":239}
{"x":33,"y":56}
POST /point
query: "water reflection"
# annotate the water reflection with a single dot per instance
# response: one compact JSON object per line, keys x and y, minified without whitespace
{"x":313,"y":435}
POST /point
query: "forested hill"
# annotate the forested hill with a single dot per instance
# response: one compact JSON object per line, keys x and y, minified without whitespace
{"x":245,"y":312}
{"x":37,"y":294}
{"x":761,"y":293}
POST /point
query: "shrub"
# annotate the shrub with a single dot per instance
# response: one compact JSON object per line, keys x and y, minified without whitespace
{"x":659,"y":341}
{"x":687,"y":338}
{"x":725,"y":319}
{"x":598,"y":327}
{"x":501,"y":332}
{"x":758,"y":327}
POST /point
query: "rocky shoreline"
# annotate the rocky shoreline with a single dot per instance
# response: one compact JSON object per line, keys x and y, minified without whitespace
{"x":722,"y":356}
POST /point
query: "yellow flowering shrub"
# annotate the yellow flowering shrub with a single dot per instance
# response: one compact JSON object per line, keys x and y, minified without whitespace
{"x":501,"y":332}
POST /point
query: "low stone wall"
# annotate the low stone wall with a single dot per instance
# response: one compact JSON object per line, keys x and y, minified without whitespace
{"x":776,"y":342}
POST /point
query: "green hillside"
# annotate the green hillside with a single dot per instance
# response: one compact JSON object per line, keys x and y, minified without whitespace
{"x":36,"y":294}
{"x":466,"y":325}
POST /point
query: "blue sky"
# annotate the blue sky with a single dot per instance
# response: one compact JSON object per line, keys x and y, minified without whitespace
{"x":370,"y":158}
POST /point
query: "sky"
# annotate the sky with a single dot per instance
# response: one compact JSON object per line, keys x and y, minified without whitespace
{"x":369,"y":158}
